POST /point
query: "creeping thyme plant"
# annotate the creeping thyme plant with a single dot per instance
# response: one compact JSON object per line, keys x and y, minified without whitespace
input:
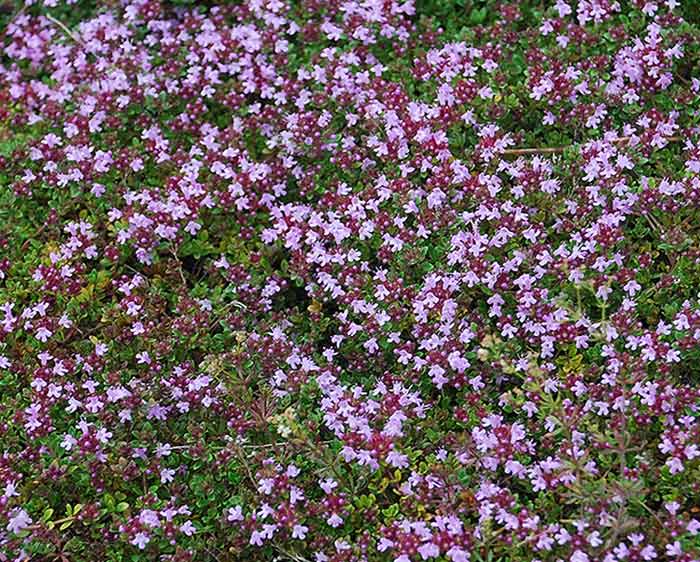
{"x":350,"y":280}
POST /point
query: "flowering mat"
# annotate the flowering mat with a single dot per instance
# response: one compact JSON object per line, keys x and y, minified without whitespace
{"x":350,"y":281}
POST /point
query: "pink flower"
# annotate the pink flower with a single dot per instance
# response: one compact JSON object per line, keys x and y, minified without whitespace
{"x":19,"y":520}
{"x":234,"y":514}
{"x":140,"y":540}
{"x":299,"y":532}
{"x":188,"y":528}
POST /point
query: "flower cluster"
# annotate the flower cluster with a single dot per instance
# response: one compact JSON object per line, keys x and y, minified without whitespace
{"x":350,"y":281}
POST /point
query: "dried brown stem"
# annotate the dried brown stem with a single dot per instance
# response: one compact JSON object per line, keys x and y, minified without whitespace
{"x":65,"y":29}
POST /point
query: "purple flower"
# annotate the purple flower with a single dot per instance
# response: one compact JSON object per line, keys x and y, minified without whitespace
{"x":19,"y":520}
{"x":140,"y":540}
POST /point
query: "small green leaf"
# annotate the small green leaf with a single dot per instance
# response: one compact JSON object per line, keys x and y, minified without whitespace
{"x":391,"y":512}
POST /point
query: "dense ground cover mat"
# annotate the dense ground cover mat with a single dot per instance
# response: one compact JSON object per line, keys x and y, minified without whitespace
{"x":350,"y":281}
